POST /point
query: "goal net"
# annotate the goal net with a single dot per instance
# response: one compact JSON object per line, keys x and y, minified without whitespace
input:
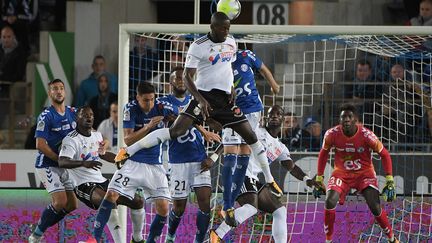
{"x":318,"y":68}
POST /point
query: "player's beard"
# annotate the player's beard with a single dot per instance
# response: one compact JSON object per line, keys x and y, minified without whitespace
{"x":59,"y":101}
{"x":179,"y":92}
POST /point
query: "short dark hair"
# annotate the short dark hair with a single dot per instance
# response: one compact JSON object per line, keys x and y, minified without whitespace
{"x":98,"y":57}
{"x":81,"y":108}
{"x":57,"y":80}
{"x":218,"y":18}
{"x":364,"y":62}
{"x":145,"y":87}
{"x":348,"y":107}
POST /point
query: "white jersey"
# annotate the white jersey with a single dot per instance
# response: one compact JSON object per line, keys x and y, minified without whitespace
{"x":78,"y":147}
{"x":275,"y":151}
{"x":213,"y":63}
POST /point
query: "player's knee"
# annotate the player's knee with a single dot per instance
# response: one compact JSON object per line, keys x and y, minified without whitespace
{"x":162,"y":207}
{"x":137,"y":203}
{"x":179,"y":211}
{"x":111,"y":196}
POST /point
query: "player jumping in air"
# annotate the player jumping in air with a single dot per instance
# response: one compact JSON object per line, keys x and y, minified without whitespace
{"x":210,"y":57}
{"x":353,"y":168}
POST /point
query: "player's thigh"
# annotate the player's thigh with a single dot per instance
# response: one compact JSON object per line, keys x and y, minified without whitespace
{"x":245,"y":131}
{"x":91,"y":193}
{"x":180,"y":180}
{"x":249,"y":192}
{"x":54,"y":179}
{"x":162,"y":206}
{"x":231,"y":141}
{"x":371,"y":196}
{"x":127,"y":180}
{"x":155,"y":182}
{"x":181,"y":124}
{"x":267,"y":201}
{"x":340,"y":183}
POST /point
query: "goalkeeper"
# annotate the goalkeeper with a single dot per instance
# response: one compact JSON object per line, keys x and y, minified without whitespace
{"x":353,"y":168}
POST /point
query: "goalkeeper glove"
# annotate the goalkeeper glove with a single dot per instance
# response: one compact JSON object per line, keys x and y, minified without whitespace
{"x":320,"y":189}
{"x":389,"y":192}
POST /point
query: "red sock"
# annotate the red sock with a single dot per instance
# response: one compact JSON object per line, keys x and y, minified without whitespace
{"x":384,"y":223}
{"x":329,"y":219}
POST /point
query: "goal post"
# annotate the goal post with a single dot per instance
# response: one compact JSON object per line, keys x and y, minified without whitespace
{"x":313,"y":65}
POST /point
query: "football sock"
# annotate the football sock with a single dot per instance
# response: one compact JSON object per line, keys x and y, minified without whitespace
{"x":173,"y":222}
{"x":238,"y":176}
{"x":114,"y":225}
{"x":279,"y":227}
{"x":102,"y":217}
{"x":384,"y":223}
{"x":241,"y":214}
{"x":202,"y":222}
{"x":137,"y":217}
{"x":156,"y":228}
{"x":329,"y":219}
{"x":152,"y":139}
{"x":229,"y":161}
{"x":261,"y":156}
{"x":244,"y":212}
{"x":49,"y":218}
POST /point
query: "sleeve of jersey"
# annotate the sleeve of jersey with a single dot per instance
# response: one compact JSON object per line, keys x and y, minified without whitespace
{"x":68,"y":148}
{"x":376,"y":145}
{"x":324,"y":154}
{"x":42,"y":127}
{"x":257,"y":62}
{"x":128,"y":117}
{"x":192,"y":57}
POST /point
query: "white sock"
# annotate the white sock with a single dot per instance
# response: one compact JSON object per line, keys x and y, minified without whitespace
{"x":152,"y":139}
{"x":241,"y":214}
{"x":279,"y":227}
{"x":223,"y":229}
{"x":260,"y":154}
{"x":137,"y":217}
{"x":114,"y":225}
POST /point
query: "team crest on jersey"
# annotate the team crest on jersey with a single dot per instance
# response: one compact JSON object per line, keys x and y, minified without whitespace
{"x":40,"y":126}
{"x":126,"y":115}
{"x":237,"y":112}
{"x":244,"y":67}
{"x":360,"y":150}
{"x":74,"y":124}
{"x":196,"y":111}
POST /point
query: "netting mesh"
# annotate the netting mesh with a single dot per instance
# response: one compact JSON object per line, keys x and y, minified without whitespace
{"x":318,"y":73}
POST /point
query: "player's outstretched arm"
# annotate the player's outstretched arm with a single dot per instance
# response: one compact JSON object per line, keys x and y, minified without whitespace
{"x":270,"y":79}
{"x":68,"y":163}
{"x":210,"y":137}
{"x":389,"y":190}
{"x":298,"y":173}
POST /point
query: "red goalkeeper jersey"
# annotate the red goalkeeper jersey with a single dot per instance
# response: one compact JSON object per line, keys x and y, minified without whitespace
{"x":352,"y":154}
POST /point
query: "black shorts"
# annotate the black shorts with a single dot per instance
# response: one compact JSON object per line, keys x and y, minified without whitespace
{"x":223,"y":111}
{"x":85,"y":191}
{"x":250,"y":185}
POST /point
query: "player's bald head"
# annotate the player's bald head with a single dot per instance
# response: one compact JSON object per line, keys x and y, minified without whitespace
{"x":219,"y":18}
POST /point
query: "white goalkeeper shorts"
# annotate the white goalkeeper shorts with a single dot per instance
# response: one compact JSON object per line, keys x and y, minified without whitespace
{"x":55,"y":179}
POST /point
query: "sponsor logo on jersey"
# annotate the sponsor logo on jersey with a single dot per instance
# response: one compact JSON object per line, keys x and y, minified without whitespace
{"x":66,"y":127}
{"x":126,"y":115}
{"x":350,"y":150}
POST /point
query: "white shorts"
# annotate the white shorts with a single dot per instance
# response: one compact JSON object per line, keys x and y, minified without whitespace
{"x":184,"y":177}
{"x":133,"y":175}
{"x":229,"y":137}
{"x":55,"y":179}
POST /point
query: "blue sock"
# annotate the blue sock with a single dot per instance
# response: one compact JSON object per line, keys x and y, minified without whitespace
{"x":173,"y":223}
{"x":49,"y":218}
{"x":239,"y":176}
{"x":202,"y":222}
{"x":104,"y":212}
{"x":156,"y":228}
{"x":229,"y":163}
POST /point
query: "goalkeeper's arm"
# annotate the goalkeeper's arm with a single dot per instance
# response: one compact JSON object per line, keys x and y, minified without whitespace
{"x":389,"y":190}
